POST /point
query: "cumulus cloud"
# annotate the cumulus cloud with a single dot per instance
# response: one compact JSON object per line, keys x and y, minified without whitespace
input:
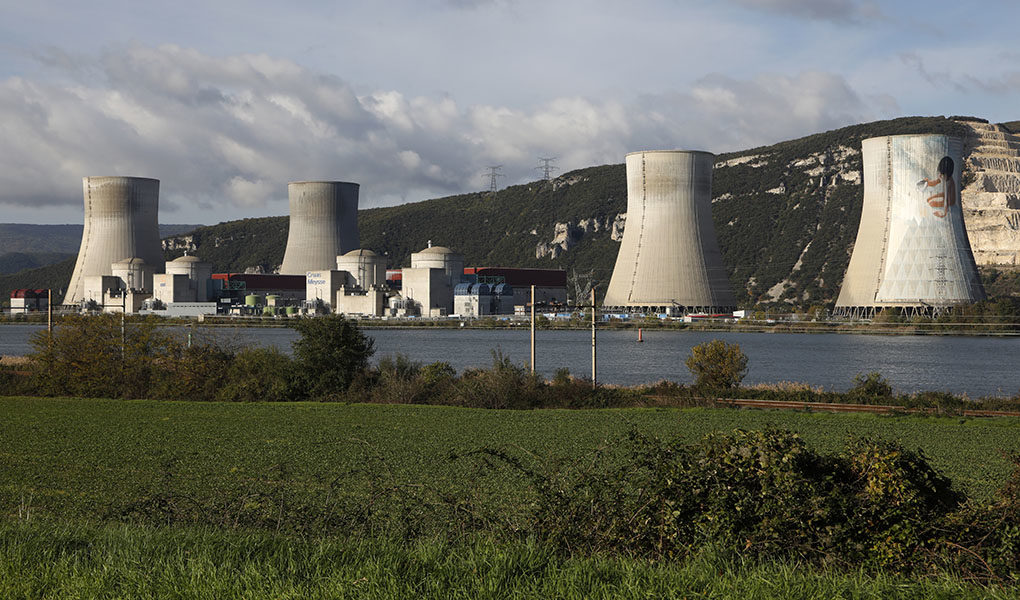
{"x":837,"y":11}
{"x":225,"y":134}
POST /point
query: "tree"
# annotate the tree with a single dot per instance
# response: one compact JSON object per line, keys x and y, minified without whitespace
{"x":330,"y":354}
{"x":717,"y":365}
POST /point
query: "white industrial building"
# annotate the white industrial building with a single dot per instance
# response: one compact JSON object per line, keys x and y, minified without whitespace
{"x":669,"y":258}
{"x":912,"y":250}
{"x":428,"y":285}
{"x":356,"y":287}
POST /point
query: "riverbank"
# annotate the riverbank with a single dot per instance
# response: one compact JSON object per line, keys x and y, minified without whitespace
{"x":721,"y":325}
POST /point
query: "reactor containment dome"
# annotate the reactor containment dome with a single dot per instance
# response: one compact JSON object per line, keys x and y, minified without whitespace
{"x":323,"y":225}
{"x":121,"y":222}
{"x":912,"y":250}
{"x":669,"y":258}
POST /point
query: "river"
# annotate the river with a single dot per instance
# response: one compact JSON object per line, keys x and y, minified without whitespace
{"x":977,"y":366}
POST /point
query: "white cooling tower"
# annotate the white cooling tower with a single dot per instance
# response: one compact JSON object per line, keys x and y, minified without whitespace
{"x":323,"y":225}
{"x":912,"y":250}
{"x":120,"y":222}
{"x":669,"y":259}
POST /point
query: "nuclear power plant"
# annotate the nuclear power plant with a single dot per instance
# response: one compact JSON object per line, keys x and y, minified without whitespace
{"x":669,"y":260}
{"x":323,"y":225}
{"x":912,"y":250}
{"x":120,"y":225}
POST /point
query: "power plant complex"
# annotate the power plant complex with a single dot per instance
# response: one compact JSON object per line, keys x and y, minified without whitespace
{"x":912,"y":252}
{"x":669,"y":260}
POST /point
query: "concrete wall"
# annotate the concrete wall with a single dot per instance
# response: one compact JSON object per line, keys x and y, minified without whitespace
{"x":169,"y":288}
{"x":323,"y":285}
{"x":431,"y":289}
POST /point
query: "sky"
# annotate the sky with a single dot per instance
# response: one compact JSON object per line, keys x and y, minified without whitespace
{"x":226,"y":101}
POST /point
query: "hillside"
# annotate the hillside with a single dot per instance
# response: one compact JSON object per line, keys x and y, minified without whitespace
{"x":786,"y":217}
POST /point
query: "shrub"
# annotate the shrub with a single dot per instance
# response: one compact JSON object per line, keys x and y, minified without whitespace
{"x":193,"y":372}
{"x":330,"y":354}
{"x":87,"y":356}
{"x":717,"y":365}
{"x":871,"y":387}
{"x":259,"y":374}
{"x":505,"y":385}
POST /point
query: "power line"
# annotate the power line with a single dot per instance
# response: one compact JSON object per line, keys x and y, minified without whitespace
{"x":546,"y":167}
{"x":493,"y":174}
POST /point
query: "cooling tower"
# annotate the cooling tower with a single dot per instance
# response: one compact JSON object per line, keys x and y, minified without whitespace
{"x":323,"y":225}
{"x":912,"y":249}
{"x":120,"y":222}
{"x":669,"y":259}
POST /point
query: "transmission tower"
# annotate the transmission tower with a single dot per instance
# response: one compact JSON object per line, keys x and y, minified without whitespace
{"x":546,"y":167}
{"x":493,"y":175}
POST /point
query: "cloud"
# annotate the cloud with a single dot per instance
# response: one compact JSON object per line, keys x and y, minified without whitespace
{"x":225,"y":134}
{"x":836,"y":11}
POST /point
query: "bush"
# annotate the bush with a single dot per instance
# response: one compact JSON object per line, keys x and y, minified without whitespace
{"x":330,"y":354}
{"x":88,"y":357}
{"x":717,"y":365}
{"x":752,"y":494}
{"x":193,"y":372}
{"x":259,"y":374}
{"x":871,"y":387}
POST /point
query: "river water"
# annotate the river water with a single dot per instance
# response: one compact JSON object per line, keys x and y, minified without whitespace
{"x":978,"y":366}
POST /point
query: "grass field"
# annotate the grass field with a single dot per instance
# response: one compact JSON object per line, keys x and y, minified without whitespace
{"x":236,"y":482}
{"x":39,"y":561}
{"x":88,"y":458}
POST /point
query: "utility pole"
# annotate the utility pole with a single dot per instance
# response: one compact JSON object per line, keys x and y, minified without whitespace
{"x":493,"y":175}
{"x":594,"y":381}
{"x":546,"y":167}
{"x":532,"y":329}
{"x":49,"y":318}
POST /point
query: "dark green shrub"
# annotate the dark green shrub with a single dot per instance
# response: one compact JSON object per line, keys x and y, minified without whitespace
{"x":505,"y":385}
{"x":871,"y":387}
{"x":259,"y":374}
{"x":753,"y":494}
{"x":194,"y":372}
{"x":717,"y":365}
{"x":330,"y":354}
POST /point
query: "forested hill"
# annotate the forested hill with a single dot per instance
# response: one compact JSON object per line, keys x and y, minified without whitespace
{"x":786,"y":217}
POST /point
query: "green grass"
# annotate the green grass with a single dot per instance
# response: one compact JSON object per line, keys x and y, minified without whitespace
{"x":93,"y":458}
{"x":48,"y":561}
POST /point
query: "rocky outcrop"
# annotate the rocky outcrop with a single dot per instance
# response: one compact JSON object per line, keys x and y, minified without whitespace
{"x":184,"y":242}
{"x":991,"y":198}
{"x":569,"y":234}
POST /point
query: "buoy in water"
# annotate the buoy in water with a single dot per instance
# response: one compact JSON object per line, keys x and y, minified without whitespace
{"x":639,"y":335}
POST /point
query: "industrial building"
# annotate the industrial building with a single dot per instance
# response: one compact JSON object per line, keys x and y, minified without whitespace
{"x":550,"y":284}
{"x":120,"y":224}
{"x":669,"y":260}
{"x":323,"y":225}
{"x":912,"y":250}
{"x":427,"y":287}
{"x":24,"y":301}
{"x":356,"y":287}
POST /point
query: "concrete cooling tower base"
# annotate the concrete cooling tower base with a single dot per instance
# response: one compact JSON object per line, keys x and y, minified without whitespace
{"x":669,"y":260}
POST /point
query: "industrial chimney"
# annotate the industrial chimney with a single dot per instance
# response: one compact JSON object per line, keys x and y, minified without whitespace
{"x":669,"y":259}
{"x":120,"y":222}
{"x":912,"y":250}
{"x":323,"y":225}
